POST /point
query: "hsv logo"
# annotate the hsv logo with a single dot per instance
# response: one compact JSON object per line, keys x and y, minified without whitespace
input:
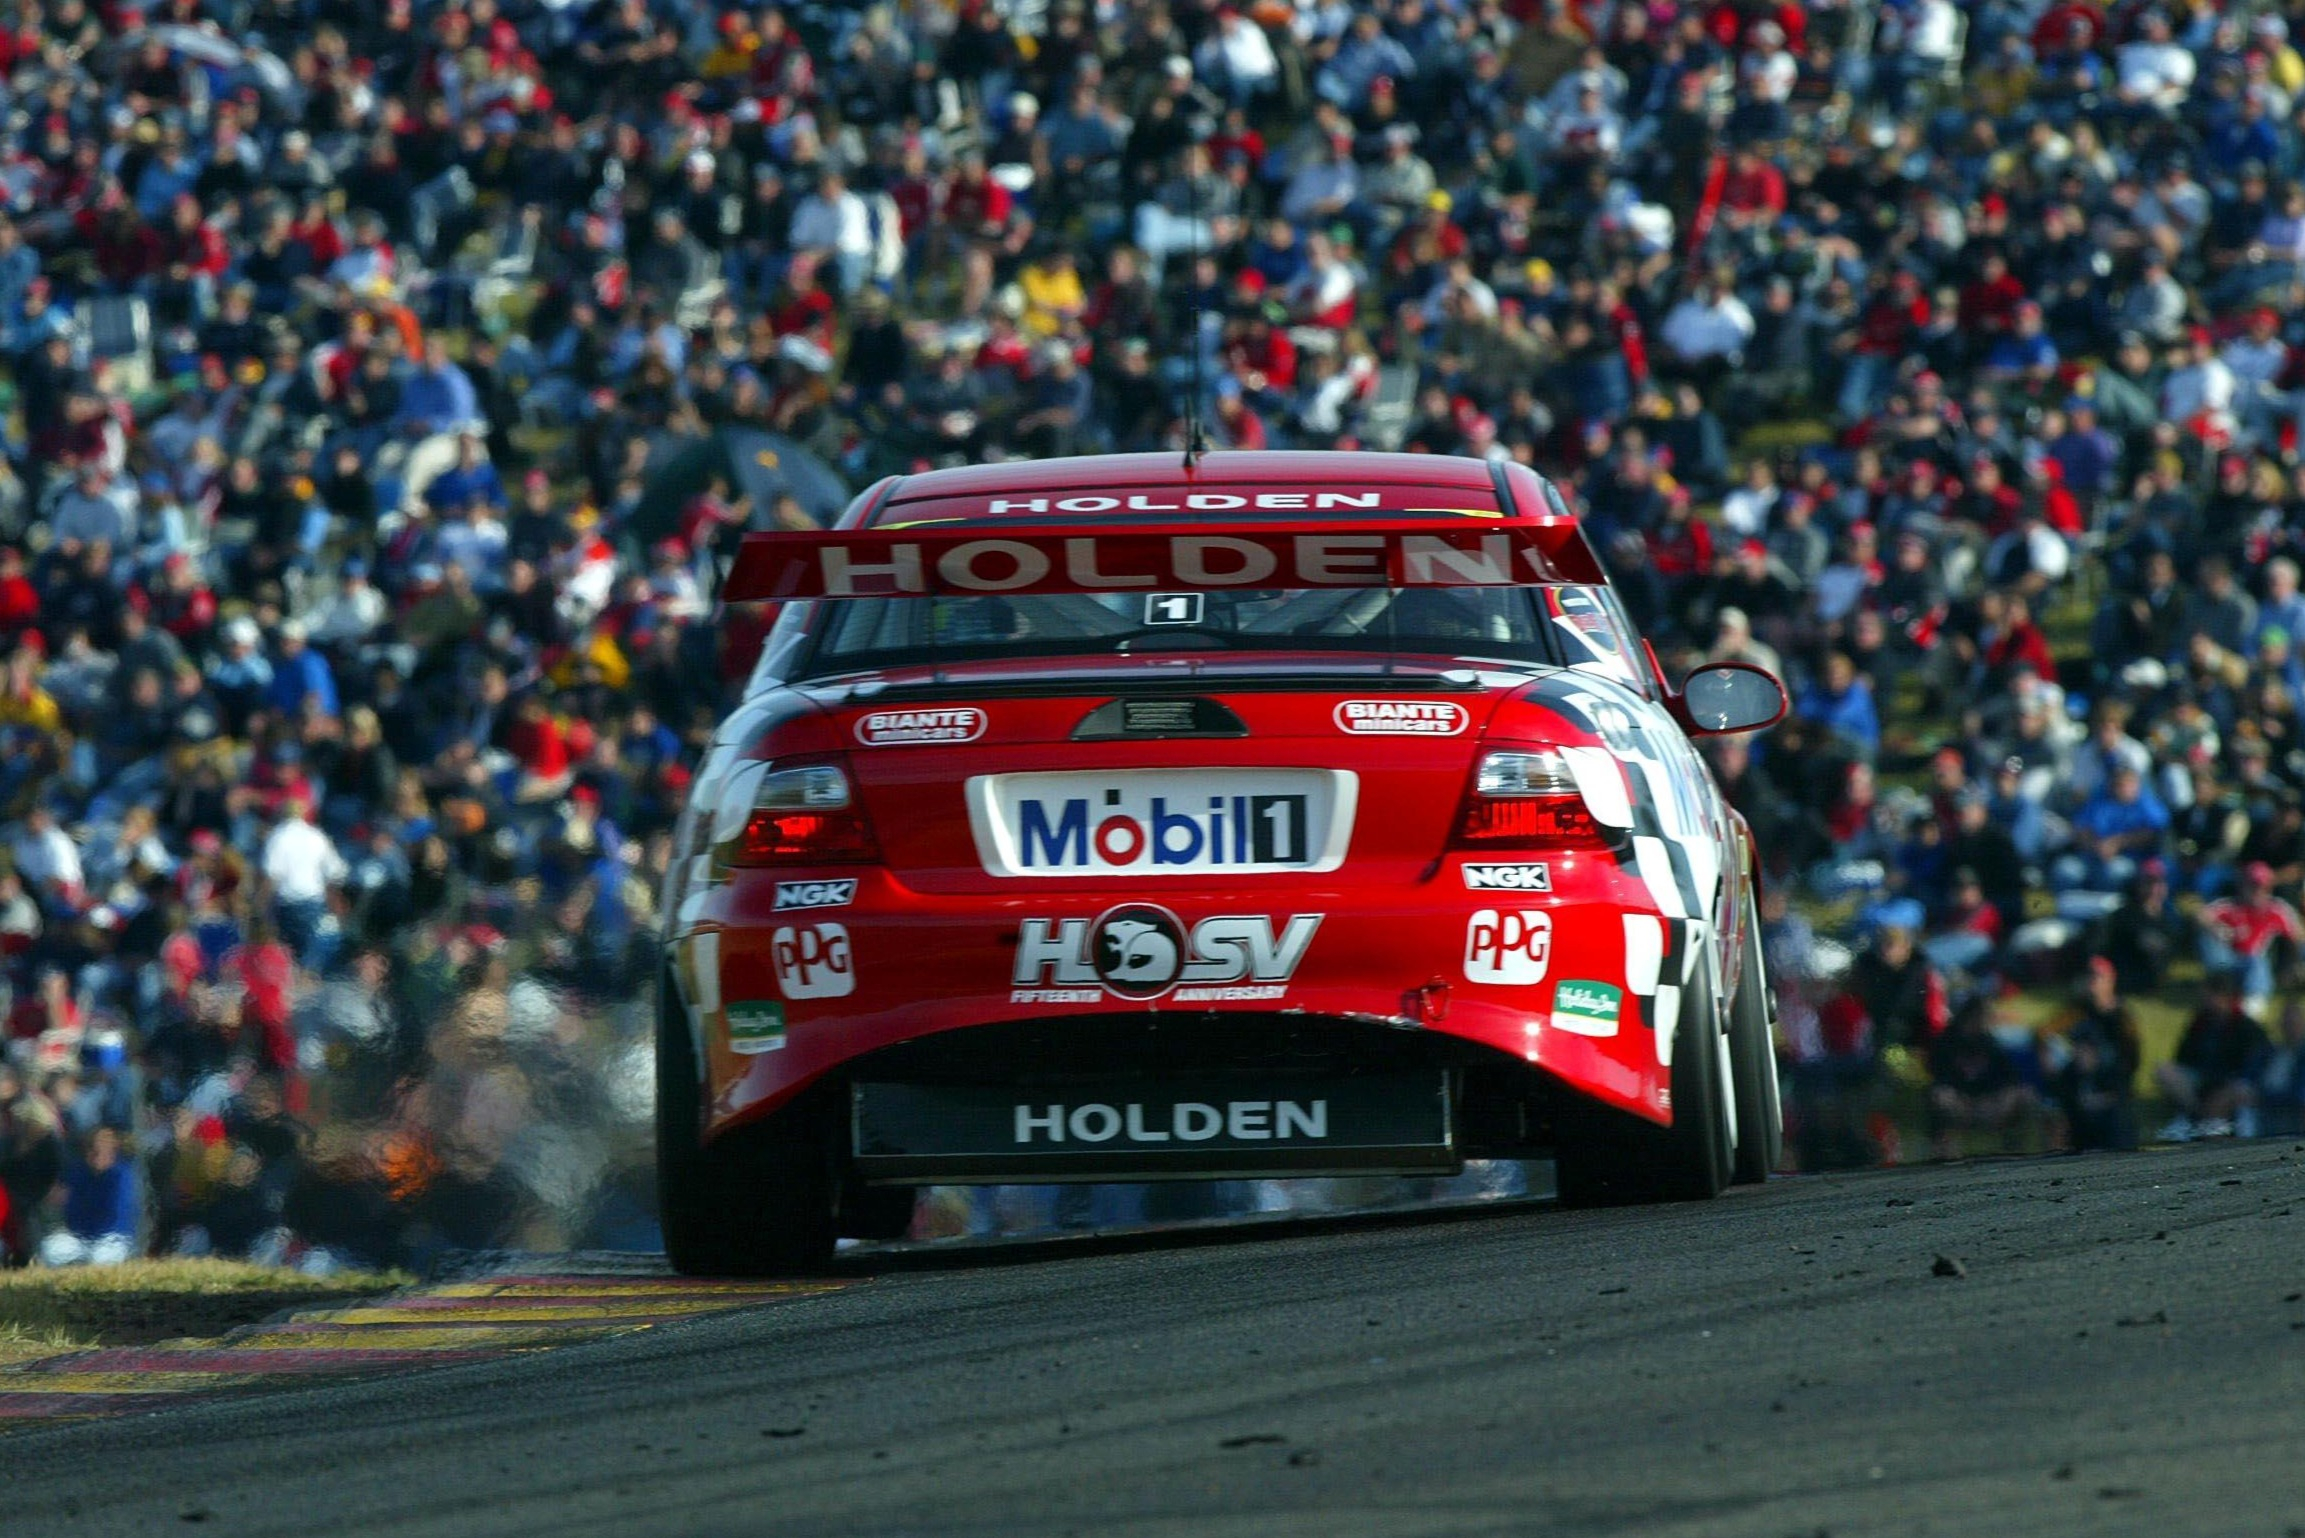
{"x":1162,"y":822}
{"x":888,"y":728}
{"x":813,"y":961}
{"x":1508,"y":947}
{"x":815,"y":894}
{"x":1401,"y":718}
{"x":1143,"y":951}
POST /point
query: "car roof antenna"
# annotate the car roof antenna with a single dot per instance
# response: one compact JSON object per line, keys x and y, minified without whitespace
{"x":1196,"y":438}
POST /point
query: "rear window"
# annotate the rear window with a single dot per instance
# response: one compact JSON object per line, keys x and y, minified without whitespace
{"x":1500,"y":624}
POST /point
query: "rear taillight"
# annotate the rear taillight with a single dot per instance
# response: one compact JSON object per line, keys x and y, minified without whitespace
{"x":1527,"y":799}
{"x":804,"y":814}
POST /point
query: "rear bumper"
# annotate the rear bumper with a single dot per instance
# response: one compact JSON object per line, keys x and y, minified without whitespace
{"x":1002,"y":992}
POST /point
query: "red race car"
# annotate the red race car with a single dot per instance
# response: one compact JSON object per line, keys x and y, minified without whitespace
{"x":1114,"y":819}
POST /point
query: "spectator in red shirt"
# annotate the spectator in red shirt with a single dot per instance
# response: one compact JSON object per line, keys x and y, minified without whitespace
{"x":1753,"y":194}
{"x":1886,"y":331}
{"x":975,"y":206}
{"x":1989,"y":301}
{"x":2250,"y":933}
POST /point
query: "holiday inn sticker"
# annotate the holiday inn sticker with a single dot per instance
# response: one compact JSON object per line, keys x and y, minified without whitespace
{"x":755,"y":1027}
{"x":1585,"y":1008}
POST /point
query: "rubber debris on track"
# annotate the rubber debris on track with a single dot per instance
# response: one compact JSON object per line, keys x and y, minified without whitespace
{"x":435,"y":1326}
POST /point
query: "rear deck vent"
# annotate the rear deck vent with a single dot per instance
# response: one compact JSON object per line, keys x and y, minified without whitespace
{"x":1195,"y":717}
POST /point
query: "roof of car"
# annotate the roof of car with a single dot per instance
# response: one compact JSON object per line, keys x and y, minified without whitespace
{"x":1155,"y":483}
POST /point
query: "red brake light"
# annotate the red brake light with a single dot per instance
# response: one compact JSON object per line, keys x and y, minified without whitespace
{"x":1527,"y":800}
{"x":1533,"y":822}
{"x":804,"y":838}
{"x":803,"y":814}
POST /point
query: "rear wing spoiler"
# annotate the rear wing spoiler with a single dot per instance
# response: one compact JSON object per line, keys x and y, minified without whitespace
{"x":979,"y":558}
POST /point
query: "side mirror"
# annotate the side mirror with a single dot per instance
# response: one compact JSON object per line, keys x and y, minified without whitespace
{"x":1728,"y":697}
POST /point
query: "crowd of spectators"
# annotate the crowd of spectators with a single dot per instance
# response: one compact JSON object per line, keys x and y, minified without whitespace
{"x":1939,"y":356}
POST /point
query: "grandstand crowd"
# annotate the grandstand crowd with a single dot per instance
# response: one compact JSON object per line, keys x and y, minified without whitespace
{"x":388,"y":380}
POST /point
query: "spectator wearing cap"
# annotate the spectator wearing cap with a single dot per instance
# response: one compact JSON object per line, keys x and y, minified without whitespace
{"x":2252,"y":934}
{"x":241,"y":677}
{"x":1966,"y":932}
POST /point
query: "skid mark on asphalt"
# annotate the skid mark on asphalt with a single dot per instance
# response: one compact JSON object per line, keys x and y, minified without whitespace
{"x":465,"y":1321}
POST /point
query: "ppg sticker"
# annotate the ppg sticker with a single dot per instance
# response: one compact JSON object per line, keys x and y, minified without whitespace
{"x":1511,"y":947}
{"x":814,"y":962}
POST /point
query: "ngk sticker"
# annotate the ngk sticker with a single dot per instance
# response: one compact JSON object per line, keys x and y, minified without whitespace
{"x":813,"y":961}
{"x":1508,"y":946}
{"x":1143,"y":951}
{"x":1401,"y":718}
{"x":888,"y":728}
{"x":1162,"y":821}
{"x":815,"y":894}
{"x":1534,"y":876}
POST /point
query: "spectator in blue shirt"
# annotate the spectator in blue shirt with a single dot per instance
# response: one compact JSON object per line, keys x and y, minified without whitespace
{"x":2089,"y":454}
{"x":2027,"y":347}
{"x":166,"y":177}
{"x":301,"y":677}
{"x":100,"y":1207}
{"x":1365,"y":54}
{"x":471,"y":476}
{"x":2283,"y":607}
{"x":437,"y":396}
{"x":2115,"y":828}
{"x":1843,"y":703}
{"x":19,"y":265}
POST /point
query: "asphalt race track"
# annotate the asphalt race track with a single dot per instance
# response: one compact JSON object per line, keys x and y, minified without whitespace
{"x":2125,"y":1353}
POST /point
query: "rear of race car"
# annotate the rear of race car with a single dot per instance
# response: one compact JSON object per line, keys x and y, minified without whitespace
{"x":1170,"y":914}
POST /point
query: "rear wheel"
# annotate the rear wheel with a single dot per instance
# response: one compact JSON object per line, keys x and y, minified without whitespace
{"x":1753,"y":1063}
{"x":756,"y":1202}
{"x":1608,"y":1158}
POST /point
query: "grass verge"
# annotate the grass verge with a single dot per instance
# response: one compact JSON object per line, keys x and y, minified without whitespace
{"x":43,"y":1312}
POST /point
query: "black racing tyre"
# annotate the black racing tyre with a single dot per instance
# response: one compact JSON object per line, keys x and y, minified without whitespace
{"x":1607,"y":1158}
{"x":1753,"y":1063}
{"x":755,"y":1202}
